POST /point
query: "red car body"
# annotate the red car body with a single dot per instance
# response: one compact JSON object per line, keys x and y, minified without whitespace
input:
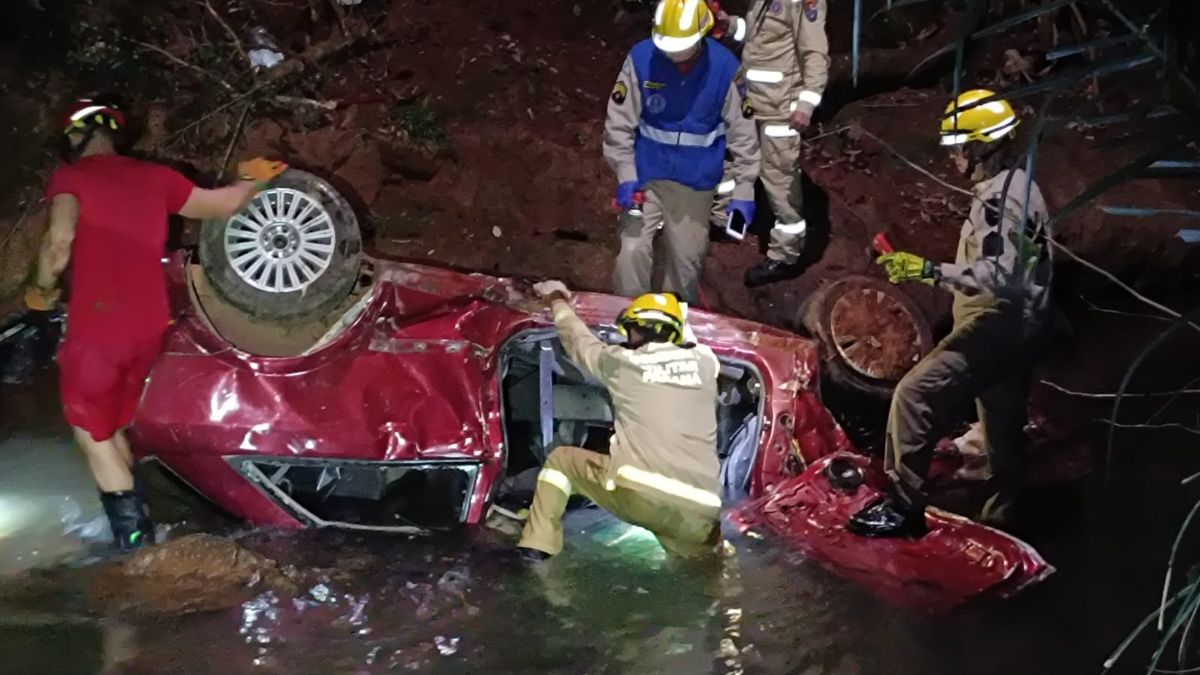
{"x":415,"y":378}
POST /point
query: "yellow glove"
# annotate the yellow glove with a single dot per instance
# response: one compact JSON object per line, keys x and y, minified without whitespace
{"x":260,"y":169}
{"x":901,"y":266}
{"x":40,"y":299}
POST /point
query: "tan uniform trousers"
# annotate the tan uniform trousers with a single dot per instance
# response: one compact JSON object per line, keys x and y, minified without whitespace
{"x":780,"y":177}
{"x":577,"y":471}
{"x":987,"y":357}
{"x":682,"y":215}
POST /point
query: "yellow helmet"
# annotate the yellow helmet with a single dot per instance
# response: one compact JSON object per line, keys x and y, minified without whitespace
{"x":660,"y":314}
{"x":985,"y":123}
{"x":680,"y":24}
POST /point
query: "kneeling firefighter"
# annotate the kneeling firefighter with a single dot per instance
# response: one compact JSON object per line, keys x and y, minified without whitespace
{"x":661,"y":472}
{"x":1001,"y":282}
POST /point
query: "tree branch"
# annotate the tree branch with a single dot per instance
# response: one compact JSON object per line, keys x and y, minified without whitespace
{"x":1105,"y":310}
{"x":1148,"y":42}
{"x":180,"y":62}
{"x":228,"y":29}
{"x":1110,"y":396}
{"x":1165,"y":425}
{"x":233,"y":139}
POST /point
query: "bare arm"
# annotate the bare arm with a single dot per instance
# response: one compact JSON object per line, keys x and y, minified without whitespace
{"x":220,"y":202}
{"x":56,"y":245}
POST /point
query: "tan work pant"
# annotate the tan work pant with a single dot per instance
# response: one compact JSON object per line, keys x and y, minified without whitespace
{"x":987,"y":357}
{"x":779,"y":173}
{"x":682,"y":215}
{"x":577,"y":471}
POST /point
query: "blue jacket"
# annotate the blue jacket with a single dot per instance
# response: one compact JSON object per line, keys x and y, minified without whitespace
{"x":681,"y":132}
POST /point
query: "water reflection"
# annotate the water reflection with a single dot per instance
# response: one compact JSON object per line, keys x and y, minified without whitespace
{"x":459,"y":603}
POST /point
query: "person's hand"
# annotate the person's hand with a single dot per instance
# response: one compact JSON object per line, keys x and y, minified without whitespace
{"x":260,"y":169}
{"x":901,"y":266}
{"x":627,"y":194}
{"x":721,"y":21}
{"x":41,"y":299}
{"x":746,"y":208}
{"x":552,"y":290}
{"x":800,"y":119}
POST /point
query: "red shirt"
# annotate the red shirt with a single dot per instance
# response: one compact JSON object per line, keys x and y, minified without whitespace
{"x":118,"y":286}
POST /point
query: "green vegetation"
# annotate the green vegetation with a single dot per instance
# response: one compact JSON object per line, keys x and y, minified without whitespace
{"x":421,"y":123}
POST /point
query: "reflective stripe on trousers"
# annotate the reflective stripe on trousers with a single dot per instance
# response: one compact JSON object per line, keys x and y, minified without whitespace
{"x":667,"y":485}
{"x":682,"y":137}
{"x":556,"y":478}
{"x":791,"y":228}
{"x":779,"y":131}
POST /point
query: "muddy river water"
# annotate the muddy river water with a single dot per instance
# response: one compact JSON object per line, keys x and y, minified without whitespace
{"x":458,"y":603}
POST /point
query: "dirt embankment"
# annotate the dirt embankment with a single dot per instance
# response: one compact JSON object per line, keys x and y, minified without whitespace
{"x":468,"y":134}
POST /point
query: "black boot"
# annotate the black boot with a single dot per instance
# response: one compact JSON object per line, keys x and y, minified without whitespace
{"x":888,"y":517}
{"x":131,"y":526}
{"x":768,"y":271}
{"x":532,"y":555}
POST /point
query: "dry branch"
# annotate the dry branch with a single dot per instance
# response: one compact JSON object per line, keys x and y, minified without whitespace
{"x":277,"y":76}
{"x":1164,"y":425}
{"x":228,"y":29}
{"x":233,"y":139}
{"x":305,"y":101}
{"x":180,"y":62}
{"x":1112,"y":395}
{"x":16,"y":227}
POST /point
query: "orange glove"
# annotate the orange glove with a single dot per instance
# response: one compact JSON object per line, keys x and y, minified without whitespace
{"x":261,"y":169}
{"x":40,"y":299}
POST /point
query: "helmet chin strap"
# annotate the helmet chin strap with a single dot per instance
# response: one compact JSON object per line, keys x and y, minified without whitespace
{"x":74,"y":152}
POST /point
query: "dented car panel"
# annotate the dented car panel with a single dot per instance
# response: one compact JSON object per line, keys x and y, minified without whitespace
{"x":957,"y":560}
{"x":415,"y":380}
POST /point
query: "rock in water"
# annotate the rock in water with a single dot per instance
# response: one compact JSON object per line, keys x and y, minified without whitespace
{"x":196,"y":573}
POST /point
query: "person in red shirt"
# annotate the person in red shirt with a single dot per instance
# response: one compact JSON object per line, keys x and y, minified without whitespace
{"x":108,"y":218}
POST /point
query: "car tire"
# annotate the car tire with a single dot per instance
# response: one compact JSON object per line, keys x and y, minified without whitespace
{"x":307,"y":249}
{"x":892,"y":311}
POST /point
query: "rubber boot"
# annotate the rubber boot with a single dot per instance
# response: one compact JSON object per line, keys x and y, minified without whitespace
{"x":768,"y":271}
{"x":131,"y":526}
{"x":900,"y":514}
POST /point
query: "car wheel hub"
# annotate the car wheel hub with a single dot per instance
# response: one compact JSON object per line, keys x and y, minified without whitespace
{"x":281,"y":242}
{"x":875,"y":334}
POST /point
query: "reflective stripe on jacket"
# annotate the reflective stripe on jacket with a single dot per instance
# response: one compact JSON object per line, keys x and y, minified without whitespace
{"x":681,"y":136}
{"x":665,"y":124}
{"x":664,"y":399}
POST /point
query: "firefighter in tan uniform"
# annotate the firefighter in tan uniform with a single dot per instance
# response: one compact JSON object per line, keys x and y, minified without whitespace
{"x":1001,"y":280}
{"x":661,"y":472}
{"x":674,"y":112}
{"x":785,"y":66}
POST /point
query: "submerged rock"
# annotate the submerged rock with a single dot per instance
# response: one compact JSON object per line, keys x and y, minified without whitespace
{"x":196,"y":573}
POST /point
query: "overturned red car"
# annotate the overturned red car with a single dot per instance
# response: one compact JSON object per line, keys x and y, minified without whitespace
{"x":428,"y":388}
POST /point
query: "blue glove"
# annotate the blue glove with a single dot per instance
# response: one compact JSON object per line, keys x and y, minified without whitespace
{"x":744,"y":207}
{"x":625,"y":193}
